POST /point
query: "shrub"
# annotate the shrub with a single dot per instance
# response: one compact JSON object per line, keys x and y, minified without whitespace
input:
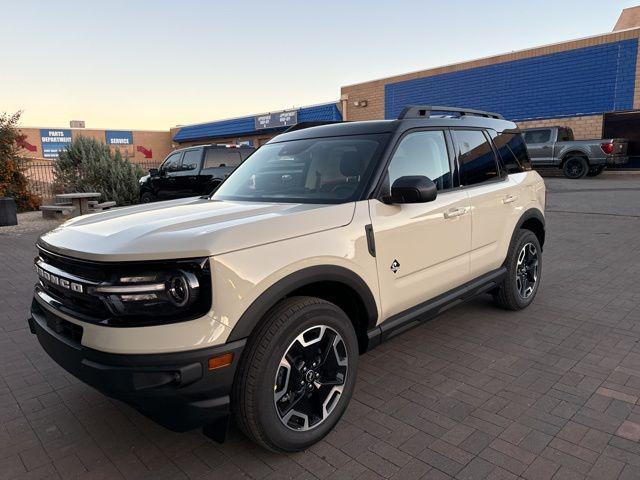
{"x":87,"y":165}
{"x":13,"y":181}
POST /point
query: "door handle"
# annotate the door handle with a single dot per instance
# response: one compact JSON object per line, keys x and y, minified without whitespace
{"x":455,"y":212}
{"x":509,"y":198}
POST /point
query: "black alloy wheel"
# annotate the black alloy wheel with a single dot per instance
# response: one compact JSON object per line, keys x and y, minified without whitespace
{"x":575,"y":167}
{"x":527,"y":270}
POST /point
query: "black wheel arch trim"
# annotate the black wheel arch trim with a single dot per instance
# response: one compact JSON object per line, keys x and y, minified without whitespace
{"x":575,"y":153}
{"x":532,"y":213}
{"x":287,"y":285}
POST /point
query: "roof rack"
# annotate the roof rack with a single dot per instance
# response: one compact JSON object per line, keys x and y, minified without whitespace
{"x":424,"y":111}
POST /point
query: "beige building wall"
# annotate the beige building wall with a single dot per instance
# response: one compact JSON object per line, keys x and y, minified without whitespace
{"x":584,"y":128}
{"x":157,"y":142}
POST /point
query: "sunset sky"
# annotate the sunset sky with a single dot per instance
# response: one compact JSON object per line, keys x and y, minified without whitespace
{"x":157,"y":64}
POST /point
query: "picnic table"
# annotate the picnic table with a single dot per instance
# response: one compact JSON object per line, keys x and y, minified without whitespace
{"x":80,"y":200}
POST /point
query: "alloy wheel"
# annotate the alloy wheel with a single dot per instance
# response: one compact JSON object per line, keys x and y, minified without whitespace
{"x":310,"y":378}
{"x":527,"y":270}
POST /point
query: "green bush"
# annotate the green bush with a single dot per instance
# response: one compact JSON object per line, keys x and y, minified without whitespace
{"x":91,"y":166}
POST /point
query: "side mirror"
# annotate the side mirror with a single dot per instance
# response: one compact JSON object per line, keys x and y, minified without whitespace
{"x":413,"y":189}
{"x":154,"y":172}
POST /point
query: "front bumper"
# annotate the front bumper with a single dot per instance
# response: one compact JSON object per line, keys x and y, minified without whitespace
{"x":177,"y":390}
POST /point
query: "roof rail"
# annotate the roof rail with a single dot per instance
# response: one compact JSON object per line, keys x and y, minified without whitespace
{"x":424,"y":111}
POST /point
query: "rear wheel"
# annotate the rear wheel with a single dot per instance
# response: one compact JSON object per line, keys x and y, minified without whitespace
{"x":524,"y":269}
{"x":595,"y":171}
{"x":297,"y":375}
{"x":575,"y":167}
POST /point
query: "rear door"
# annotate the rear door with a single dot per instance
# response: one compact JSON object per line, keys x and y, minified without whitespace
{"x":219,"y":162}
{"x":493,"y":197}
{"x":540,"y":145}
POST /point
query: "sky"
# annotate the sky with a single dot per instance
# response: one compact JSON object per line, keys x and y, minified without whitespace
{"x":142,"y":64}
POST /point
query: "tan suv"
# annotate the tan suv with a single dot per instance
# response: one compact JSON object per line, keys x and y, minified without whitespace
{"x":258,"y":300}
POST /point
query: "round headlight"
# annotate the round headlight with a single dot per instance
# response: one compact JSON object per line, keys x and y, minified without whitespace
{"x":182,"y":288}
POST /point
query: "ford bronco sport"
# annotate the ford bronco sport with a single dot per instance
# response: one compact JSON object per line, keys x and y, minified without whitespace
{"x":256,"y":301}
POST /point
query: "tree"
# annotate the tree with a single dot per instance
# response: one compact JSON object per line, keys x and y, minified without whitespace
{"x":87,"y":165}
{"x":13,"y":181}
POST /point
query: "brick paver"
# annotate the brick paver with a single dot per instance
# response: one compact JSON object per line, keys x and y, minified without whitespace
{"x":547,"y":393}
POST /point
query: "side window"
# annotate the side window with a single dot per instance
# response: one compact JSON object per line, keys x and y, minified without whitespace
{"x":537,"y":136}
{"x":172,"y":163}
{"x":222,"y":157}
{"x":512,"y":151}
{"x":422,"y":153}
{"x":475,"y":156}
{"x":191,"y":159}
{"x":565,"y":135}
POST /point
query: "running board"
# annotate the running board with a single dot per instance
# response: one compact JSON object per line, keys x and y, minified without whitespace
{"x":403,"y":321}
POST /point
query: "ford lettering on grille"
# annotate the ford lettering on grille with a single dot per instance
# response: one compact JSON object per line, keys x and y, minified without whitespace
{"x":59,"y":281}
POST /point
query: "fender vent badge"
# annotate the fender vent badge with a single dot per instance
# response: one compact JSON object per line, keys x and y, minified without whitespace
{"x":395,"y":266}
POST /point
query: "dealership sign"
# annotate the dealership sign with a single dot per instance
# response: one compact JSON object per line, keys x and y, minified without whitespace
{"x":115,"y":139}
{"x":276,"y":120}
{"x":53,"y":141}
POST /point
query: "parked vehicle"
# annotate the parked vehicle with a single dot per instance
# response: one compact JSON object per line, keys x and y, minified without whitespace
{"x":257,"y":300}
{"x":556,"y":147}
{"x":192,"y":171}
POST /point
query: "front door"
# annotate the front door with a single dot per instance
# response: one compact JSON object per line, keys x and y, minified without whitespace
{"x":166,"y":181}
{"x":422,"y":250}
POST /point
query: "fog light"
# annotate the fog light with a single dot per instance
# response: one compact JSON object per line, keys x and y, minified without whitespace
{"x":220,"y":361}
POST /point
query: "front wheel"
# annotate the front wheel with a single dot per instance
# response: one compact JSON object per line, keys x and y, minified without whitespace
{"x":297,"y":374}
{"x":524,"y":269}
{"x":575,"y":167}
{"x":147,"y":197}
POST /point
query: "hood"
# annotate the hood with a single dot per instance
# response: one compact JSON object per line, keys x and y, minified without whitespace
{"x":187,"y":228}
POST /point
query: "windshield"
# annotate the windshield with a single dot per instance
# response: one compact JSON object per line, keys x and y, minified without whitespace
{"x":314,"y":170}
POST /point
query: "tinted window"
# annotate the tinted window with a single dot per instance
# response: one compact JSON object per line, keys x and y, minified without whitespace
{"x":222,"y":157}
{"x":422,"y":153}
{"x":565,"y":135}
{"x":172,"y":163}
{"x":191,"y":159}
{"x":512,"y":151}
{"x":537,"y":136}
{"x":314,"y":170}
{"x":476,"y":157}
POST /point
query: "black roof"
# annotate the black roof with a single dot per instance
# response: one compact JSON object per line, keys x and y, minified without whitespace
{"x":389,"y":126}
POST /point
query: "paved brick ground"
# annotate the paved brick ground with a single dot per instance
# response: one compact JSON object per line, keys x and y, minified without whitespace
{"x":550,"y":392}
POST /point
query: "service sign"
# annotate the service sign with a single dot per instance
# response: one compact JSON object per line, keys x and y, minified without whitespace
{"x":53,"y":141}
{"x":120,"y":140}
{"x":114,"y":138}
{"x":277,"y":119}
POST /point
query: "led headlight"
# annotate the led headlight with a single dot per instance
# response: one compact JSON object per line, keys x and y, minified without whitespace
{"x":168,"y":293}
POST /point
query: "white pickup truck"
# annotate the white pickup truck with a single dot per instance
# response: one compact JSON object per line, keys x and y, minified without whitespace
{"x":556,"y":147}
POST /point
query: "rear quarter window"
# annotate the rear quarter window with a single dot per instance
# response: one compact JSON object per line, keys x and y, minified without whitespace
{"x":222,"y":157}
{"x":512,"y":150}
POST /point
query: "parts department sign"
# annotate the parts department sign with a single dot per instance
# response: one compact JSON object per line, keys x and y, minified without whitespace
{"x":52,"y":141}
{"x":276,"y":119}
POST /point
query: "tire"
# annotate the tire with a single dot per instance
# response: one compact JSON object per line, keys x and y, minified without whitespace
{"x":265,"y":387}
{"x":147,"y":197}
{"x":509,"y":294}
{"x":575,"y":167}
{"x":595,"y":171}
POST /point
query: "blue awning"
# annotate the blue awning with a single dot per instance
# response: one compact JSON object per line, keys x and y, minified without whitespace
{"x":246,"y":125}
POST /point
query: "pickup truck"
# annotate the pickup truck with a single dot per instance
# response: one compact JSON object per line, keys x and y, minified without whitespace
{"x":192,"y":171}
{"x":556,"y":147}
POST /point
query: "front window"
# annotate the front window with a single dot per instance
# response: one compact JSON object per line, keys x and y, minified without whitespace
{"x":314,"y":170}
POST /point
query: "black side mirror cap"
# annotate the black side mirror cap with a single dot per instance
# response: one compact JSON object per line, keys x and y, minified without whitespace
{"x":413,"y":189}
{"x":154,"y":172}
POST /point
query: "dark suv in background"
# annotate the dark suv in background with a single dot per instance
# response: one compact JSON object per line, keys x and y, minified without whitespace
{"x":192,"y":171}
